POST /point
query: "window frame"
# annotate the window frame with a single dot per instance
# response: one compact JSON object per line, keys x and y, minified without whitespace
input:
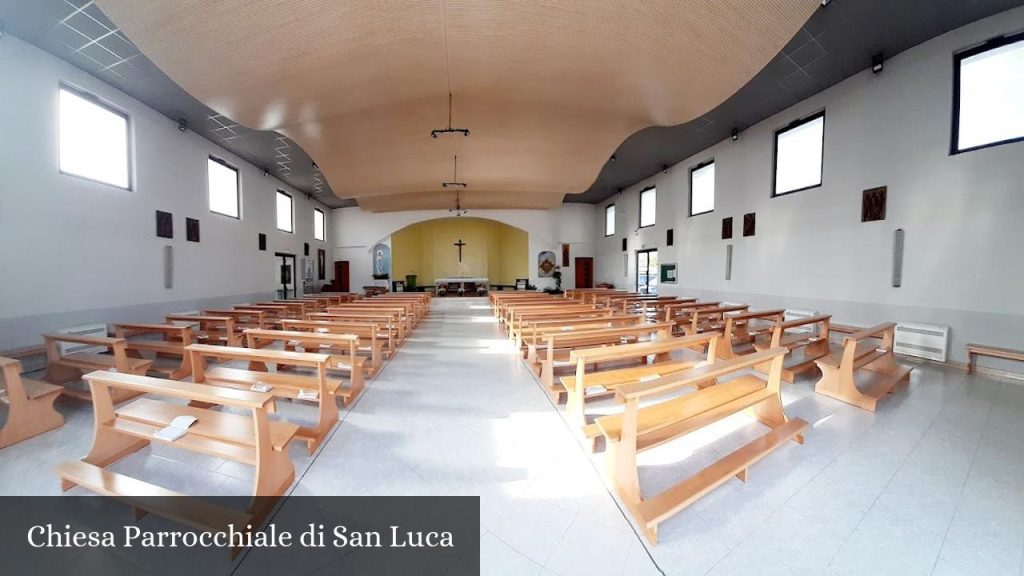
{"x":324,"y":218}
{"x":291,"y":216}
{"x":614,"y":215}
{"x":109,"y":107}
{"x":714,"y":187}
{"x":775,"y":153}
{"x":238,"y":187}
{"x":640,"y":212}
{"x":958,"y":58}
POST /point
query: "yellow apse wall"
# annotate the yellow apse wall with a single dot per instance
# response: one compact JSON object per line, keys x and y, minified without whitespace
{"x":492,"y":250}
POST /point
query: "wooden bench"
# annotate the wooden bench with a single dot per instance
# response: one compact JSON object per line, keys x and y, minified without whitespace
{"x":865,"y":370}
{"x":680,"y":313}
{"x":808,"y":335}
{"x":395,"y":317}
{"x":535,"y":331}
{"x":639,"y":428}
{"x":30,"y":405}
{"x":387,"y":329}
{"x":209,"y":329}
{"x":738,"y":330}
{"x":710,"y":319}
{"x":371,"y":341}
{"x":558,"y":347}
{"x":974,"y":350}
{"x":67,"y":368}
{"x":171,"y":343}
{"x":282,"y":385}
{"x":249,"y":438}
{"x":244,"y":319}
{"x":407,"y":312}
{"x":273,"y":313}
{"x":342,"y":348}
{"x":591,"y":384}
{"x":515,"y":330}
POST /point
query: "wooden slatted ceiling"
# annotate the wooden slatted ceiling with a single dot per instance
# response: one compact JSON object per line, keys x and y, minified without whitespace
{"x":549,"y":89}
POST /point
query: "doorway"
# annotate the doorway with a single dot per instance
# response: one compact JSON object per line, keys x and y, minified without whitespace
{"x":584,"y":272}
{"x":284,"y":275}
{"x":647,"y":271}
{"x":341,"y":276}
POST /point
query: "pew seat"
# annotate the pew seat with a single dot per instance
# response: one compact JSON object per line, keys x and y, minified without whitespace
{"x":865,"y":370}
{"x":639,"y":428}
{"x":285,"y":385}
{"x":249,"y":438}
{"x":974,"y":350}
{"x":63,"y":368}
{"x":30,"y":404}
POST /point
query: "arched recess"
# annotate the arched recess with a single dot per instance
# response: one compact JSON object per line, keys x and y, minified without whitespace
{"x":460,"y":247}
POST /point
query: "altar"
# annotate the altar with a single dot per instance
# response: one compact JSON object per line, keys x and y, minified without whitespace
{"x":476,"y":284}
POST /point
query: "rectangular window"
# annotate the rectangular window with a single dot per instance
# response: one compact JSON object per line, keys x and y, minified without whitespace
{"x":799,"y":153}
{"x":702,"y":188}
{"x":988,"y":104}
{"x":223,"y":182}
{"x":284,"y":212}
{"x":93,"y":139}
{"x":609,"y":220}
{"x":648,"y":206}
{"x":318,"y":225}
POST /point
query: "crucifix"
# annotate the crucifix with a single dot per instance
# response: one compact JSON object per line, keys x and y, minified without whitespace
{"x":460,"y":244}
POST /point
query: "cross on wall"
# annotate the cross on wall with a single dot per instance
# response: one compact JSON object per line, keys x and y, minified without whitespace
{"x":460,"y":244}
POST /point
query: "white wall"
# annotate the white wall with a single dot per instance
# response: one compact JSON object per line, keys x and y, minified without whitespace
{"x":355,"y":232}
{"x":962,"y":214}
{"x":75,"y":251}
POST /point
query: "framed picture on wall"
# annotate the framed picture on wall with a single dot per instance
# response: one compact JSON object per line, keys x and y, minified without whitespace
{"x":668,"y":274}
{"x":321,"y":264}
{"x":546,"y":264}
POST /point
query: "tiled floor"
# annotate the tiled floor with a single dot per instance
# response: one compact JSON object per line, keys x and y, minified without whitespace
{"x":933,"y":483}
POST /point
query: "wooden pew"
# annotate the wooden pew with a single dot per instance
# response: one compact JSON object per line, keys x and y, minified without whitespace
{"x":397,"y":317}
{"x":680,"y":314}
{"x":799,"y":335}
{"x":65,"y":368}
{"x":370,"y":344}
{"x":406,"y":311}
{"x":536,"y":331}
{"x":210,"y":329}
{"x":283,"y":385}
{"x":639,"y":428}
{"x":342,"y":348}
{"x":250,"y":438}
{"x":172,"y":342}
{"x":738,"y":330}
{"x":244,"y":319}
{"x":710,"y":319}
{"x":512,"y":313}
{"x":606,"y":382}
{"x":30,"y":405}
{"x":274,"y":313}
{"x":863,"y":359}
{"x":387,"y":324}
{"x":523,"y":318}
{"x":974,"y":350}
{"x":558,"y":347}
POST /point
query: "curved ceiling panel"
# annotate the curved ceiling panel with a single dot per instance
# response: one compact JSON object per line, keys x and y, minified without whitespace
{"x":548,"y":89}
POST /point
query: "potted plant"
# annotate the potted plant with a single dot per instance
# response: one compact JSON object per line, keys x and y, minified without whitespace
{"x":557,"y":275}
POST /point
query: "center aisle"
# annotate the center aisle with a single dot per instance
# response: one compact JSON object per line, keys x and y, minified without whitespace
{"x":456,"y":412}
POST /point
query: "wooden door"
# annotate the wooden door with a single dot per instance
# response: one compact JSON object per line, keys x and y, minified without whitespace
{"x":584,"y":272}
{"x":341,"y":275}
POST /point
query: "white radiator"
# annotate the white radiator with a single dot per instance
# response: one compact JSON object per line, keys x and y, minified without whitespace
{"x":793,"y":314}
{"x":99,"y":330}
{"x":922,"y":340}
